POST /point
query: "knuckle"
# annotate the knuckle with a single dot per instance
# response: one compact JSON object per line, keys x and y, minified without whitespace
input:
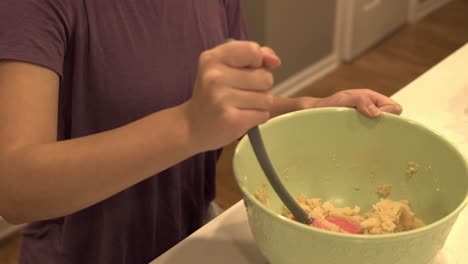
{"x":266,"y":80}
{"x":253,"y":49}
{"x":254,"y":46}
{"x":269,"y":98}
{"x":206,"y":57}
{"x":229,"y":117}
{"x":217,"y":98}
{"x":269,"y":80}
{"x":212,"y":76}
{"x":264,"y":117}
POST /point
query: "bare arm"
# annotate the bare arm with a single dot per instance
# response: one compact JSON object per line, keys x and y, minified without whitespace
{"x":41,"y":178}
{"x":368,"y":102}
{"x":282,"y":105}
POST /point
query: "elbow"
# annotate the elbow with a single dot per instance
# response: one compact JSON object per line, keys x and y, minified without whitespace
{"x":11,"y":212}
{"x":16,"y":212}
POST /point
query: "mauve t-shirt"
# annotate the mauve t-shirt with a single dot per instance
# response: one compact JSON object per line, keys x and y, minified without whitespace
{"x":120,"y":60}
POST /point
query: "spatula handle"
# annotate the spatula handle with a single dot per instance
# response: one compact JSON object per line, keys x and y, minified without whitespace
{"x":262,"y":157}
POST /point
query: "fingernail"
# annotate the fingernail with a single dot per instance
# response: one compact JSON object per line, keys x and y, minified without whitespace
{"x":399,"y":108}
{"x":373,"y":109}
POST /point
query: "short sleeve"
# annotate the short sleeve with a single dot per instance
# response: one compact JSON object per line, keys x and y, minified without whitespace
{"x":35,"y":31}
{"x":236,"y":20}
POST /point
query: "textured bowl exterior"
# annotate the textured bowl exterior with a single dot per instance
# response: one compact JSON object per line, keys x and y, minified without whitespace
{"x":281,"y":243}
{"x":438,"y":193}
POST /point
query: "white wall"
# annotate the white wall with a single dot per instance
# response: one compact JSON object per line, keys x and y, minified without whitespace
{"x":300,"y":31}
{"x":369,"y":21}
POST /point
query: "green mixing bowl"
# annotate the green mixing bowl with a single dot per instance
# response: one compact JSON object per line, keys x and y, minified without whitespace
{"x":339,"y":155}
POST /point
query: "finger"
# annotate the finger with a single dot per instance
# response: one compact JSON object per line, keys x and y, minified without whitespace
{"x":378,"y":98}
{"x":360,"y":91}
{"x":362,"y":102}
{"x":240,"y":54}
{"x":392,"y":108}
{"x":247,"y":100}
{"x":251,"y":118}
{"x":370,"y":109}
{"x":366,"y":106}
{"x":248,"y":79}
{"x":381,"y":100}
{"x":270,"y":59}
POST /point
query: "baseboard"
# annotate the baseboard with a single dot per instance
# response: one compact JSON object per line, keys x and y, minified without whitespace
{"x":304,"y":78}
{"x":427,"y":8}
{"x":6,"y":229}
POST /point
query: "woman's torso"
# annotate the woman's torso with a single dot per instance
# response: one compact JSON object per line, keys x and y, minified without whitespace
{"x":124,"y":60}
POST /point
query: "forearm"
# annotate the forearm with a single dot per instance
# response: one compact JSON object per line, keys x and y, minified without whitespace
{"x":282,"y":105}
{"x":56,"y":179}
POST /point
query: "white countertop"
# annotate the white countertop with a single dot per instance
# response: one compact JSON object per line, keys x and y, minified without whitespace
{"x":439,"y":99}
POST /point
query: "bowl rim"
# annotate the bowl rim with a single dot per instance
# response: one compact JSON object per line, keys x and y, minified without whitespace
{"x":452,"y":215}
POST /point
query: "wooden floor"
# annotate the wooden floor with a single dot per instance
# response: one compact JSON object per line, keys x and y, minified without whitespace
{"x":386,"y":68}
{"x":401,"y":58}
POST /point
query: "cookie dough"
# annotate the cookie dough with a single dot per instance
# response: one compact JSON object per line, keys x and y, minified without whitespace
{"x":386,"y":216}
{"x":412,"y":168}
{"x":384,"y":191}
{"x":262,"y":196}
